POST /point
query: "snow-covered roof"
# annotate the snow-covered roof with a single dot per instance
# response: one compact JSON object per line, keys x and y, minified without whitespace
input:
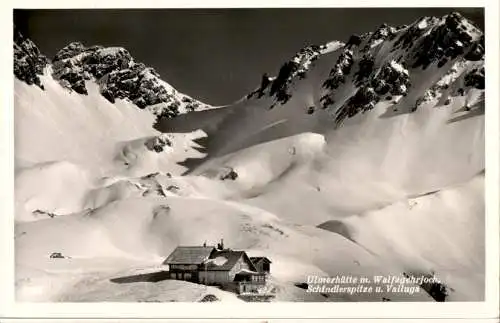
{"x":247,"y":272}
{"x":218,"y":261}
{"x":230,"y":258}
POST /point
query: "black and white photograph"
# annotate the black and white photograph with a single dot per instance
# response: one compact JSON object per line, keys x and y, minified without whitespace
{"x":249,"y":155}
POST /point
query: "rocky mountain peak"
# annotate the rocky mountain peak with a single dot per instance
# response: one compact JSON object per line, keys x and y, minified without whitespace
{"x":296,"y":67}
{"x":114,"y":69}
{"x":29,"y":63}
{"x":439,"y":40}
{"x":380,"y":64}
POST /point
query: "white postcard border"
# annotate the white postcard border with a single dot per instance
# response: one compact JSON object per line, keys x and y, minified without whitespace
{"x":462,"y":310}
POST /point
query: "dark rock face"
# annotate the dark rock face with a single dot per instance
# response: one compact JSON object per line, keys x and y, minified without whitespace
{"x":29,"y":63}
{"x":476,"y":52}
{"x":475,"y":79}
{"x":354,"y":40}
{"x":118,"y":76}
{"x":158,"y":143}
{"x":327,"y":100}
{"x":69,"y":77}
{"x":366,"y":65}
{"x":337,"y":76}
{"x":384,"y":32}
{"x":364,"y":100}
{"x":191,"y":104}
{"x":137,"y":85}
{"x":391,"y":80}
{"x":69,"y":51}
{"x":443,"y":43}
{"x":279,"y":87}
{"x":112,"y":68}
{"x":264,"y":84}
{"x":425,"y":42}
{"x":228,"y":173}
{"x":340,"y":70}
{"x":296,"y":67}
{"x":380,"y":75}
{"x":407,"y":38}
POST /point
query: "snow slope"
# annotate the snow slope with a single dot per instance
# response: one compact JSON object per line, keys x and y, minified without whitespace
{"x":66,"y":142}
{"x":364,"y":158}
{"x":84,"y":129}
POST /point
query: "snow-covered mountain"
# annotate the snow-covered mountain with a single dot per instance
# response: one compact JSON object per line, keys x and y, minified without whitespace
{"x":86,"y":101}
{"x":360,"y":158}
{"x":113,"y":69}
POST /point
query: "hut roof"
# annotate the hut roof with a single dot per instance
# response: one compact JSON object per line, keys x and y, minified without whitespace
{"x":257,"y":259}
{"x":231,"y":256}
{"x":187,"y":255}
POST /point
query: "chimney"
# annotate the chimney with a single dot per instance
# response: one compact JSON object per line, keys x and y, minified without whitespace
{"x":220,"y":246}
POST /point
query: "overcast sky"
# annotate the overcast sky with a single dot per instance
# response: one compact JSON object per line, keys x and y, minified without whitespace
{"x":214,"y":55}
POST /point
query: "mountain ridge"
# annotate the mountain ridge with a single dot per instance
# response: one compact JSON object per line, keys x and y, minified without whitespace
{"x":114,"y":69}
{"x":427,"y":41}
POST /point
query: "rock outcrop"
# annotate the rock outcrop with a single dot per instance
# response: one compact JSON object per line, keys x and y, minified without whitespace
{"x":29,"y":63}
{"x":383,"y":62}
{"x":119,"y":77}
{"x":114,"y":69}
